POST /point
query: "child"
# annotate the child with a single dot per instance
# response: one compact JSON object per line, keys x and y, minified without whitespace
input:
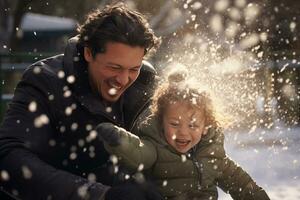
{"x":181,"y":146}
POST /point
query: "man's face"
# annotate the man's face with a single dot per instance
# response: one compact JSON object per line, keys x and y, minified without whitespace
{"x":112,"y":72}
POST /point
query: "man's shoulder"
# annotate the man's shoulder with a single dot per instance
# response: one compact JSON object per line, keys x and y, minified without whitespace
{"x":148,"y":74}
{"x":148,"y":67}
{"x":51,"y":67}
{"x":48,"y":71}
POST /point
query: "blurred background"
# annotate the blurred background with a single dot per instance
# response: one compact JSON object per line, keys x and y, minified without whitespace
{"x":247,"y":52}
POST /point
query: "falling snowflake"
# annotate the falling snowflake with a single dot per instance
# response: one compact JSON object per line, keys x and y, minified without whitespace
{"x":41,"y":121}
{"x":71,"y":79}
{"x":112,"y":91}
{"x":37,"y":70}
{"x":32,"y":106}
{"x":4,"y":175}
{"x":113,"y":159}
{"x":92,"y":136}
{"x":27,"y":174}
{"x":61,"y":74}
{"x":165,"y":183}
{"x":140,"y":167}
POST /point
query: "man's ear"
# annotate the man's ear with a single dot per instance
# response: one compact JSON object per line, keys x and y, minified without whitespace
{"x":88,"y":56}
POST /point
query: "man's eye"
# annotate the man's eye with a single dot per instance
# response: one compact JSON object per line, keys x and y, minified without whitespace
{"x":135,"y":69}
{"x":114,"y":67}
{"x":194,"y":126}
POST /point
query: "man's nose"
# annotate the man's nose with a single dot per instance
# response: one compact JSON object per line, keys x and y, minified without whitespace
{"x":123,"y":77}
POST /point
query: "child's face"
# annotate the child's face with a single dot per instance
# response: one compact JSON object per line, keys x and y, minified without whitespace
{"x":183,"y":126}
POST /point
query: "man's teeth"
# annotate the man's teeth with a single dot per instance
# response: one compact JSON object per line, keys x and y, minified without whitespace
{"x":115,"y":86}
{"x":112,"y":91}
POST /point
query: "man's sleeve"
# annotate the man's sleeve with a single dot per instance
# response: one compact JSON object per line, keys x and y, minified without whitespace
{"x":24,"y":136}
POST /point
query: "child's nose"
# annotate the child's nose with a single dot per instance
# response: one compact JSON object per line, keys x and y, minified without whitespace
{"x":183,"y":130}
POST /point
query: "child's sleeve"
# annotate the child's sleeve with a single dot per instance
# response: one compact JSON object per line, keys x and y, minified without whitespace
{"x":131,"y":150}
{"x":235,"y":181}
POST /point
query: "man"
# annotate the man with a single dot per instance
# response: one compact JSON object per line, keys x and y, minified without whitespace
{"x":48,"y":146}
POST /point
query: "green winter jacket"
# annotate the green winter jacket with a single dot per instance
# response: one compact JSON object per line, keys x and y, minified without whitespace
{"x":194,"y":175}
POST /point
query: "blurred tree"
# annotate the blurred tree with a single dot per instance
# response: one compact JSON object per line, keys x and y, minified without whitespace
{"x":20,"y":8}
{"x":284,"y":51}
{"x":4,"y":21}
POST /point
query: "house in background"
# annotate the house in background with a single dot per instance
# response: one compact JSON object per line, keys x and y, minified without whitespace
{"x":39,"y":36}
{"x":42,"y":33}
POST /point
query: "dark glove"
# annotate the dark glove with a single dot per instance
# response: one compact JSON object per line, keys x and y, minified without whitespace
{"x":132,"y":192}
{"x":109,"y":133}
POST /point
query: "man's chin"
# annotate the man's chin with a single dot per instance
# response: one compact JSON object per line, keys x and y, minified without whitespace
{"x":112,"y":98}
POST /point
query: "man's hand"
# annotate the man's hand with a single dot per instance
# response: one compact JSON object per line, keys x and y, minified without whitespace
{"x":110,"y":133}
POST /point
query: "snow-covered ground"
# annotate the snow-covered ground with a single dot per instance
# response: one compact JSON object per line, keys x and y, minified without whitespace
{"x":271,"y":157}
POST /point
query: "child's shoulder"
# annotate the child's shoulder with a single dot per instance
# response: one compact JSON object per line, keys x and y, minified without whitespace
{"x":214,"y":135}
{"x":212,"y":144}
{"x":150,"y":127}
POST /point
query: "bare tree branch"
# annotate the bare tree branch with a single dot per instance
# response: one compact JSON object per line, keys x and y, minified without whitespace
{"x":19,"y":12}
{"x":4,"y":23}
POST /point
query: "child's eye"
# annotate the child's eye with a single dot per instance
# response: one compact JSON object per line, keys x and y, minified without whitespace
{"x":174,"y":124}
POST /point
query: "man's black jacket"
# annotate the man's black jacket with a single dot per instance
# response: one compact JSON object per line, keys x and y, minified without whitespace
{"x":48,"y":148}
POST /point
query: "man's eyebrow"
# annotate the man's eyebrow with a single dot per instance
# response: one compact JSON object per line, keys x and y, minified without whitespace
{"x":110,"y":63}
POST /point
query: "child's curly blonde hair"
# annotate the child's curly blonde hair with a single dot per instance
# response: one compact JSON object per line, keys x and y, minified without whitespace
{"x":178,"y":87}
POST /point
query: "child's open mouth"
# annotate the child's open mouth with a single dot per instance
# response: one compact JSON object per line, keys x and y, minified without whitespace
{"x":182,"y":142}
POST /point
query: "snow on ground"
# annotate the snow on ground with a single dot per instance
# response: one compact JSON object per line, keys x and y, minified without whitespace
{"x":271,"y":157}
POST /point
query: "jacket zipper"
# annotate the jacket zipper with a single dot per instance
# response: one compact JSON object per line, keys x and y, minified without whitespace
{"x":196,"y":163}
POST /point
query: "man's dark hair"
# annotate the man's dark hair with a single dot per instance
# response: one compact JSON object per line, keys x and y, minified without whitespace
{"x":116,"y":23}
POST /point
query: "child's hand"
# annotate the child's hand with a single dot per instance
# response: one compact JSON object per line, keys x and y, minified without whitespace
{"x":109,"y":133}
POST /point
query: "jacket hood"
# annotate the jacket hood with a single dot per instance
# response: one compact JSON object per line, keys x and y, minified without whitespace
{"x":73,"y":57}
{"x":75,"y":66}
